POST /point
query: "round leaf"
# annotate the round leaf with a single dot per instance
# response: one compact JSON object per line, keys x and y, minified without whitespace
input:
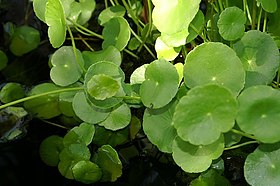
{"x":116,"y":33}
{"x":158,"y":126}
{"x":75,"y":152}
{"x":214,"y":63}
{"x":202,"y":124}
{"x":118,"y":118}
{"x":269,"y":5}
{"x":194,"y":159}
{"x":108,"y":160}
{"x":24,"y":40}
{"x":260,"y":57}
{"x":55,"y":19}
{"x":160,"y":85}
{"x":3,"y":60}
{"x":138,"y":75}
{"x":262,"y":167}
{"x":87,"y":7}
{"x":11,"y":92}
{"x":39,"y":7}
{"x":111,"y":12}
{"x":64,"y":63}
{"x":50,"y":148}
{"x":165,"y":51}
{"x":231,"y":23}
{"x":86,"y":172}
{"x":102,"y":86}
{"x":259,"y":108}
{"x":85,"y":111}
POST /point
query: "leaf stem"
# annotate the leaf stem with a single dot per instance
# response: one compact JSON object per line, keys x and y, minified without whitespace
{"x":40,"y":95}
{"x":85,"y":29}
{"x":240,"y":145}
{"x":264,"y":21}
{"x":259,"y":19}
{"x":54,"y":124}
{"x":134,"y":18}
{"x":243,"y":134}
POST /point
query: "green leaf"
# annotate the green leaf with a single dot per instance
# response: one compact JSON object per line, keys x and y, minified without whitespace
{"x":134,"y":127}
{"x":180,"y":70}
{"x":3,"y":60}
{"x":133,"y":43}
{"x":80,"y":134}
{"x":108,"y":160}
{"x":86,"y":172}
{"x":50,"y":148}
{"x":138,"y":75}
{"x":65,"y":103}
{"x":268,"y":5}
{"x":39,"y":7}
{"x":196,"y":26}
{"x":111,"y":54}
{"x":194,"y":159}
{"x":102,"y":86}
{"x":262,"y":167}
{"x":65,"y":63}
{"x":44,"y":107}
{"x":210,"y":177}
{"x":203,"y":124}
{"x":24,"y":40}
{"x":160,"y":85}
{"x":55,"y":19}
{"x":75,"y":152}
{"x":87,"y":7}
{"x":118,"y":118}
{"x":259,"y":108}
{"x":169,"y":53}
{"x":216,"y":63}
{"x":158,"y":126}
{"x":85,"y":111}
{"x":111,"y":12}
{"x":260,"y":57}
{"x":116,"y":33}
{"x":231,"y":23}
{"x":11,"y":92}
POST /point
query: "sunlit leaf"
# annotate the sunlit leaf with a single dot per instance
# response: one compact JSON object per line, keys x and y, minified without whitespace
{"x":194,"y":159}
{"x":202,"y":124}
{"x":180,"y":70}
{"x":166,"y":52}
{"x":262,"y":167}
{"x":216,"y":63}
{"x":87,"y":8}
{"x":259,"y":108}
{"x":260,"y":57}
{"x":39,"y":7}
{"x":231,"y":23}
{"x":55,"y":19}
{"x":111,"y":12}
{"x":138,"y":75}
{"x":86,"y":172}
{"x":65,"y":63}
{"x":160,"y":85}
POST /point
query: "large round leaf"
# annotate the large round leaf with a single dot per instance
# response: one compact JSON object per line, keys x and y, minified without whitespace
{"x":204,"y":113}
{"x":55,"y":19}
{"x":108,"y":160}
{"x":158,"y":126}
{"x":193,"y":158}
{"x":214,"y":63}
{"x":259,"y":108}
{"x":86,"y":172}
{"x":160,"y":85}
{"x":260,"y":57}
{"x":231,"y":23}
{"x":118,"y":118}
{"x":24,"y":40}
{"x":66,"y":69}
{"x":116,"y":33}
{"x":85,"y":111}
{"x":262,"y":167}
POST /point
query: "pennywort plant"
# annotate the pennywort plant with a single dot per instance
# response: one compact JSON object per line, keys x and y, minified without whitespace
{"x":212,"y":87}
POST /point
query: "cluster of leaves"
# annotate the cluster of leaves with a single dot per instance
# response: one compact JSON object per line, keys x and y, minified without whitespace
{"x":224,"y":94}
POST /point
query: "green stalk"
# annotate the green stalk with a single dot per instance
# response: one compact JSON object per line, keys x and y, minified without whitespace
{"x":243,"y":134}
{"x":254,"y":15}
{"x":40,"y":95}
{"x":91,"y":33}
{"x":241,"y":145}
{"x":264,"y":21}
{"x":75,"y":49}
{"x":221,"y":5}
{"x":134,"y":18}
{"x":246,"y":9}
{"x":259,"y":19}
{"x":131,"y":53}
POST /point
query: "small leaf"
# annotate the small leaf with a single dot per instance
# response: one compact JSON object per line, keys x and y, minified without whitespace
{"x":138,"y":75}
{"x":11,"y":92}
{"x":80,"y":134}
{"x":196,"y":26}
{"x":3,"y":60}
{"x":85,"y":111}
{"x":87,"y":7}
{"x":194,"y":159}
{"x":118,"y":118}
{"x":24,"y":40}
{"x":134,"y":127}
{"x":268,"y":5}
{"x":86,"y":172}
{"x":102,"y":86}
{"x":108,"y":160}
{"x":160,"y":85}
{"x":202,"y":124}
{"x":50,"y":148}
{"x":214,"y":63}
{"x":259,"y":108}
{"x":116,"y":33}
{"x":231,"y":23}
{"x":65,"y":63}
{"x":210,"y":177}
{"x":262,"y":167}
{"x":111,"y":12}
{"x":55,"y":19}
